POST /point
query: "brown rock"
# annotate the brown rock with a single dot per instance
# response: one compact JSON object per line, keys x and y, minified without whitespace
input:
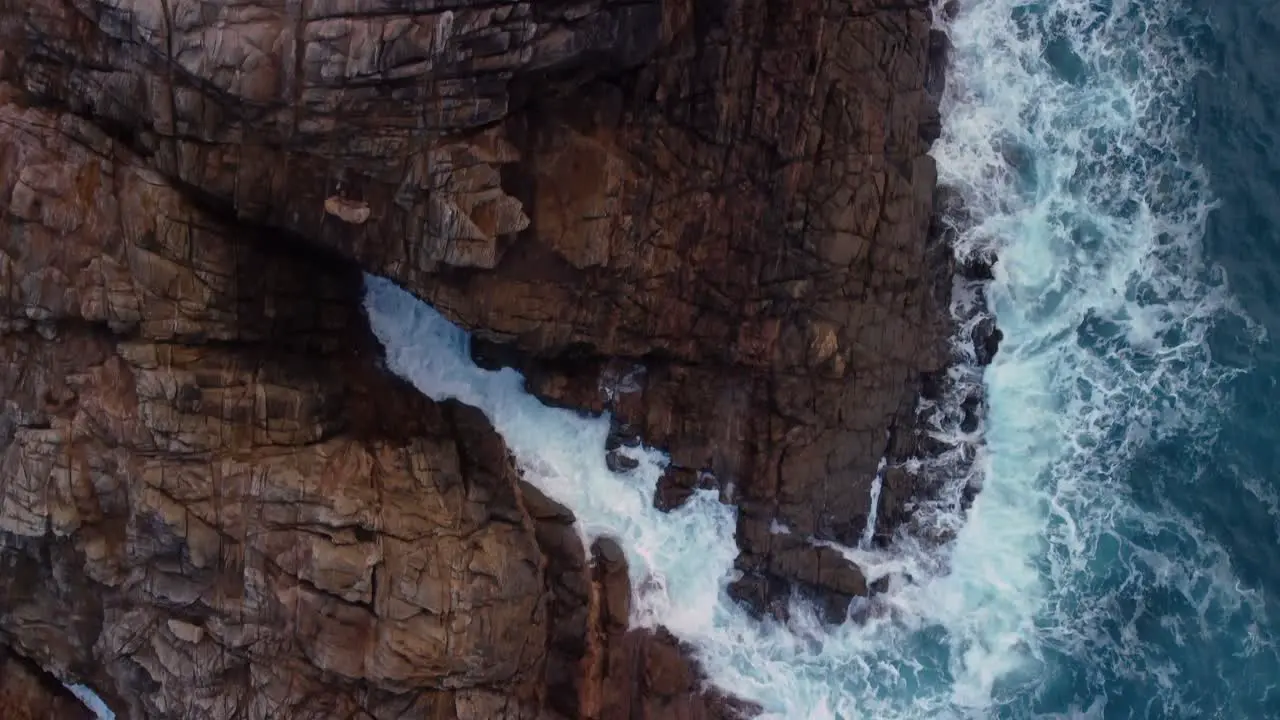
{"x":350,"y":211}
{"x":711,"y":219}
{"x":641,"y":673}
{"x":614,"y":585}
{"x":214,"y":503}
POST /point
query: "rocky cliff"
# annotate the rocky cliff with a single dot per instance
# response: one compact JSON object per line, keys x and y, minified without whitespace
{"x":710,"y":218}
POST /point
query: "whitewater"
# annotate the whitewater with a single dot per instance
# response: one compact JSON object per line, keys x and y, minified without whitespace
{"x":1071,"y":589}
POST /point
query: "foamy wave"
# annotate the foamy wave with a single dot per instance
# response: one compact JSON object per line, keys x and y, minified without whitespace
{"x":1065,"y":133}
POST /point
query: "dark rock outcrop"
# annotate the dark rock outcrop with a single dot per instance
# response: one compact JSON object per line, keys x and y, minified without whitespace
{"x":29,"y":693}
{"x":709,"y":218}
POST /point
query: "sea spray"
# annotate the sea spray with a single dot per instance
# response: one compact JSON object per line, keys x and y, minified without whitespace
{"x":92,"y":701}
{"x":877,"y":486}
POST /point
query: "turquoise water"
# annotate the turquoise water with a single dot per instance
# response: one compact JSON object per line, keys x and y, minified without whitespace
{"x":1120,"y":159}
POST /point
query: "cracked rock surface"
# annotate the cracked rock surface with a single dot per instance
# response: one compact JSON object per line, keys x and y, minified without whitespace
{"x":709,"y":218}
{"x":217,"y":504}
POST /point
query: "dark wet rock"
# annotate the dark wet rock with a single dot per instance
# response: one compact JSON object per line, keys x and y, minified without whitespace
{"x":677,"y":484}
{"x":815,"y":572}
{"x":618,"y":462}
{"x":932,"y":385}
{"x":971,"y":407}
{"x":763,"y":594}
{"x":986,"y":340}
{"x":939,"y":49}
{"x":881,"y":585}
{"x":970,"y":494}
{"x":897,"y":488}
{"x":978,"y":268}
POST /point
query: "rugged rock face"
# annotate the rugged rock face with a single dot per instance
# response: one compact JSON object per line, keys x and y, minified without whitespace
{"x":710,"y":218}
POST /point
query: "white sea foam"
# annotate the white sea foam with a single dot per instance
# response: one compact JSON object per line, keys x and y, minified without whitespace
{"x":1105,"y":305}
{"x":92,"y":701}
{"x":877,"y":487}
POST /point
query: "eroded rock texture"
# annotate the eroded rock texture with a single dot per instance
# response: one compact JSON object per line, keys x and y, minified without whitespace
{"x":215,"y":503}
{"x":708,"y":217}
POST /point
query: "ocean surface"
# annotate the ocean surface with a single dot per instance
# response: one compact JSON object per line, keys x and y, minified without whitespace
{"x":1121,"y":159}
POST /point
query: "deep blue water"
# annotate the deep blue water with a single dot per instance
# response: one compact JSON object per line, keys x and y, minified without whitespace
{"x":1139,"y":245}
{"x":1237,"y":133}
{"x":1237,"y":501}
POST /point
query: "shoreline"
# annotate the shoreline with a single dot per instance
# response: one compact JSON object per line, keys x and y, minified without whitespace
{"x":951,"y":404}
